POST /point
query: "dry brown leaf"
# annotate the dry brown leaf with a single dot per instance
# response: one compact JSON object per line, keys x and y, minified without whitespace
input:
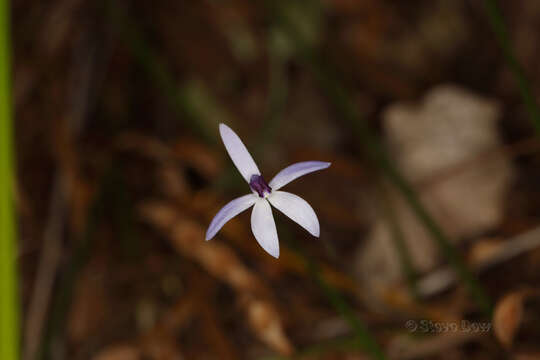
{"x":484,"y":250}
{"x":198,"y":156}
{"x":267,"y":322}
{"x":119,"y":352}
{"x":187,"y":151}
{"x":161,"y":346}
{"x":526,"y":355}
{"x":220,"y":261}
{"x":173,"y":183}
{"x":507,"y":317}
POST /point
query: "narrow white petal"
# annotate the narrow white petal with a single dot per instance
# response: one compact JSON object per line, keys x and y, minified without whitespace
{"x":297,"y":209}
{"x":238,"y":153}
{"x":294,"y":171}
{"x":229,"y":211}
{"x":264,"y":227}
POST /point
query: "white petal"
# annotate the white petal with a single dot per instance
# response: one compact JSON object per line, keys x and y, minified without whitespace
{"x":229,"y":211}
{"x":264,"y":227}
{"x":297,"y":209}
{"x":294,"y":171}
{"x":238,"y":153}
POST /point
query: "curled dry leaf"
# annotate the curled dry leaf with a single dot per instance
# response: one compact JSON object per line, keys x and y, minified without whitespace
{"x":219,"y":260}
{"x":507,"y":317}
{"x":484,"y":251}
{"x":263,"y":317}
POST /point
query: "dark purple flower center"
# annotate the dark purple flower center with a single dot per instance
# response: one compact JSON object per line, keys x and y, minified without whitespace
{"x":257,"y":183}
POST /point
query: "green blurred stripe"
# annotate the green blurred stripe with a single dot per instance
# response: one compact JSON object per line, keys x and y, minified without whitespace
{"x":9,"y":309}
{"x":497,"y":23}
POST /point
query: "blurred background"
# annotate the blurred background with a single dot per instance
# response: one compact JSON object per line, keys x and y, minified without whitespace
{"x":430,"y":236}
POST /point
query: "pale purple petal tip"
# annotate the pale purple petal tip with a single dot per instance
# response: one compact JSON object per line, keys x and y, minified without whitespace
{"x":264,"y":227}
{"x":229,"y":211}
{"x":297,"y":209}
{"x":294,"y":171}
{"x":238,"y":153}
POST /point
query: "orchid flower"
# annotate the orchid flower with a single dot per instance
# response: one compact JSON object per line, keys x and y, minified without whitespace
{"x":263,"y":194}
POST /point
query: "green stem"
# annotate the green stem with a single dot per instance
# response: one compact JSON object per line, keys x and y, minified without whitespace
{"x":497,"y":23}
{"x":9,"y":304}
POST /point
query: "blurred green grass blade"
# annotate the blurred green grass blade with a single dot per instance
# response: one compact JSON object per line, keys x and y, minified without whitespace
{"x":9,"y":309}
{"x":331,"y":83}
{"x":497,"y":23}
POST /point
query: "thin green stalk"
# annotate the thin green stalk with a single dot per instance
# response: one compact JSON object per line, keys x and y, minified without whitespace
{"x":497,"y":23}
{"x":9,"y":303}
{"x":328,"y":80}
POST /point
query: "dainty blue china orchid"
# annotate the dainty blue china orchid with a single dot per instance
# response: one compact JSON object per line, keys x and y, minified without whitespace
{"x":263,"y":194}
